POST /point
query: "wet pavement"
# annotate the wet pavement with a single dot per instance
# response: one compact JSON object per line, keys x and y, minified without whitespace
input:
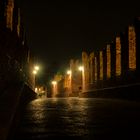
{"x":79,"y":118}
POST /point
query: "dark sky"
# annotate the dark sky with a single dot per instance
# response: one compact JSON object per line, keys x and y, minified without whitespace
{"x":61,"y":30}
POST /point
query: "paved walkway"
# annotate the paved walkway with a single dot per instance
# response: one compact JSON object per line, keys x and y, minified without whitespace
{"x":80,"y":119}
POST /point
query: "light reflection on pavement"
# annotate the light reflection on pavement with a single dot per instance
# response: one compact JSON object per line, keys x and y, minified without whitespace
{"x":81,"y":118}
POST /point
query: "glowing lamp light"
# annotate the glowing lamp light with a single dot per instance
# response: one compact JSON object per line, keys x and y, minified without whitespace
{"x":54,"y":82}
{"x":36,"y":68}
{"x":69,"y":72}
{"x":36,"y":89}
{"x":34,"y":72}
{"x":81,"y":68}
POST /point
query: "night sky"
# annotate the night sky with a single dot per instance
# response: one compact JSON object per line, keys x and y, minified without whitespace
{"x":61,"y":30}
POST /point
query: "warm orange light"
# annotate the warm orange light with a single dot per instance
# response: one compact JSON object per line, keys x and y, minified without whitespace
{"x":91,"y":67}
{"x":9,"y":15}
{"x":36,"y":68}
{"x":54,"y":88}
{"x":101,"y":65}
{"x":34,"y":72}
{"x":95,"y":68}
{"x":81,"y":68}
{"x":36,"y":89}
{"x":118,"y":56}
{"x":54,"y":82}
{"x":132,"y":47}
{"x":69,"y":72}
{"x":108,"y":54}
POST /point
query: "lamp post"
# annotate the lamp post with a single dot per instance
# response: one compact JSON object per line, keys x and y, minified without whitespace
{"x":54,"y":88}
{"x":69,"y":73}
{"x":81,"y":68}
{"x":35,"y":71}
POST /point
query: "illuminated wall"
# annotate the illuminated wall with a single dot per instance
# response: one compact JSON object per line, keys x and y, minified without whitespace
{"x":9,"y":14}
{"x":132,"y":47}
{"x":101,"y":65}
{"x":18,"y":25}
{"x":85,"y":61}
{"x":66,"y":81}
{"x":76,"y":79}
{"x":95,"y":69}
{"x":104,"y":63}
{"x":118,"y":56}
{"x":108,"y":55}
{"x":91,"y":67}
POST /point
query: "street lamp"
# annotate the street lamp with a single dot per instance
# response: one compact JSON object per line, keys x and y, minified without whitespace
{"x":69,"y":72}
{"x":54,"y":82}
{"x":54,"y":88}
{"x":36,"y":68}
{"x":35,"y":71}
{"x":81,"y":68}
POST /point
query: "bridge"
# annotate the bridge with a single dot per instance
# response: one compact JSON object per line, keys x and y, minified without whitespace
{"x":114,"y":69}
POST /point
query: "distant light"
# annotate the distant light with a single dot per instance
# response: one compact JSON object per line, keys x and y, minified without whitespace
{"x":34,"y":72}
{"x":54,"y":82}
{"x":36,"y":68}
{"x":69,"y":72}
{"x":36,"y":89}
{"x":81,"y":68}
